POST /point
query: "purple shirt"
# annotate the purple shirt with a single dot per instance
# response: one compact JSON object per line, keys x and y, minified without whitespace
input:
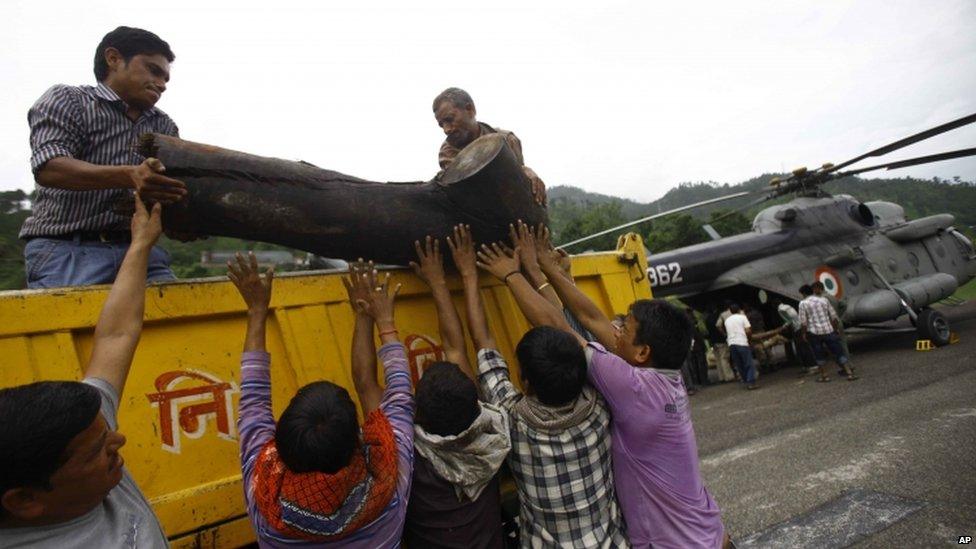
{"x":655,"y":457}
{"x":256,"y":426}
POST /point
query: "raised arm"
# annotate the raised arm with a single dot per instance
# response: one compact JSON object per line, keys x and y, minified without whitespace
{"x":256,"y":291}
{"x":120,"y":323}
{"x":523,"y":239}
{"x":462,"y":250}
{"x":430,"y":269}
{"x":255,"y":420}
{"x":589,"y":315}
{"x":363,"y":358}
{"x":536,"y":308}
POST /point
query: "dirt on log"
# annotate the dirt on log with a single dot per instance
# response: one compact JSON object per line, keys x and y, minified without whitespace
{"x":331,"y":214}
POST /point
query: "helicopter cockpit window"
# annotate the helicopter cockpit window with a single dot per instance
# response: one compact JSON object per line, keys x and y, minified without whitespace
{"x":862,"y":214}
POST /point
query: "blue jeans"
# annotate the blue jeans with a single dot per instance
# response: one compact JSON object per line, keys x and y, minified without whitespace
{"x":53,"y":263}
{"x":742,"y":360}
{"x":828,"y":342}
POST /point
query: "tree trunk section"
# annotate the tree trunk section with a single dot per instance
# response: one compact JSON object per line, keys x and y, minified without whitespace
{"x":298,"y":205}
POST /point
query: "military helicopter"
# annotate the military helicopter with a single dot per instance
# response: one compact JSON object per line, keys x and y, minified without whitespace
{"x":876,"y":263}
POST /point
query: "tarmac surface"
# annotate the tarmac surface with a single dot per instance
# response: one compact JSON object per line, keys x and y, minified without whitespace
{"x":888,"y":460}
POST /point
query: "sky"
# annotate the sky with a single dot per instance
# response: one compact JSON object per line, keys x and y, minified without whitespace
{"x":622,"y":98}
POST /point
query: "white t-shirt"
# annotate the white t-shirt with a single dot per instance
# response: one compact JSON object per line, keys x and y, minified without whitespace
{"x":735,"y":329}
{"x":790,"y":316}
{"x":123,"y":520}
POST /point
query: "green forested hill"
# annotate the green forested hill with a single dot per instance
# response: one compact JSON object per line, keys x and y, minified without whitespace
{"x":574,"y":213}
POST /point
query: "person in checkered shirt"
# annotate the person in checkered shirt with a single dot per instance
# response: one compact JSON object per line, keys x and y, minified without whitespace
{"x":636,"y":369}
{"x":560,"y":426}
{"x":820,"y":322}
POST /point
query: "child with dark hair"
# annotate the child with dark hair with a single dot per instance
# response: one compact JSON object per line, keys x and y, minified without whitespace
{"x":318,"y":478}
{"x":459,"y":442}
{"x":560,"y":426}
{"x":62,"y":479}
{"x":637,"y":370}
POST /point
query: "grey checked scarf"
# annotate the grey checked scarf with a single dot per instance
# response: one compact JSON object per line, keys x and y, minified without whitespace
{"x":470,"y":459}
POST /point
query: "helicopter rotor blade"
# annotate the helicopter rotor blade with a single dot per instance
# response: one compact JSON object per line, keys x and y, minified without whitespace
{"x":962,"y":153}
{"x":655,"y":216}
{"x":741,"y":209}
{"x":921,"y":136}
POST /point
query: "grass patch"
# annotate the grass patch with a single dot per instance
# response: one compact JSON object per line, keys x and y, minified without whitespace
{"x":967,"y":291}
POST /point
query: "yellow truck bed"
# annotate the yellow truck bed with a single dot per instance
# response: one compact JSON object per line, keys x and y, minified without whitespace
{"x":179,"y":406}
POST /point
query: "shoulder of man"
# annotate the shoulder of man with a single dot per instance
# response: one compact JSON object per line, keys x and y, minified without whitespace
{"x":165,"y":122}
{"x":60,"y":93}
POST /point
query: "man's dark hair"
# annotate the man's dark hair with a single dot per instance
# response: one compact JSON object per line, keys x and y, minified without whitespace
{"x":318,"y":431}
{"x":130,"y":42}
{"x":553,"y":363}
{"x":447,"y":400}
{"x":734,"y":308}
{"x":37,"y":422}
{"x":458,"y":97}
{"x":664,"y":328}
{"x":817,"y":286}
{"x":806,"y":290}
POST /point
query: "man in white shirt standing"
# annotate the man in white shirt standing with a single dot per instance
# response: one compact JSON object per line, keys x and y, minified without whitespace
{"x":737,"y":332}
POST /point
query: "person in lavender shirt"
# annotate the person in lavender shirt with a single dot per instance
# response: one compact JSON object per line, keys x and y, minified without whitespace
{"x":318,"y":478}
{"x":655,"y":457}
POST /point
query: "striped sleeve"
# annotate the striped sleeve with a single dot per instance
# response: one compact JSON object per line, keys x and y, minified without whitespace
{"x":167,"y":126}
{"x":56,"y":126}
{"x":255,"y":422}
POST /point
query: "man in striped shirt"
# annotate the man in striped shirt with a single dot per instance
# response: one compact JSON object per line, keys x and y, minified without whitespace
{"x":86,"y":166}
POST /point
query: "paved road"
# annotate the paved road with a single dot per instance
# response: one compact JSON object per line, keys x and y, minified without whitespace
{"x":885,"y":461}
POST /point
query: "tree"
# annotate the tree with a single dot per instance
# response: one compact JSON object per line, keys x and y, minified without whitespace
{"x":675,"y":231}
{"x":734,"y":223}
{"x":579,"y":221}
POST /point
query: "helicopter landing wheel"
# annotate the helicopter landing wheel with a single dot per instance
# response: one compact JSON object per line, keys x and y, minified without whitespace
{"x":933,"y":325}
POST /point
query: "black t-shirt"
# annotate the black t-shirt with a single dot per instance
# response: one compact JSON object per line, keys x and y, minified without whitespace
{"x":437,"y":519}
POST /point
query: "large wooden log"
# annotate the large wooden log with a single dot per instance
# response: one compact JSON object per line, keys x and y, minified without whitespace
{"x":298,"y":205}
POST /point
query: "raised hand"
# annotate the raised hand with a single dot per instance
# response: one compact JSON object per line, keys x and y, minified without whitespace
{"x":357,"y":284}
{"x":498,"y":260}
{"x":524,"y":240}
{"x":550,"y":257}
{"x":254,"y":288}
{"x":146,"y":226}
{"x":378,"y":302}
{"x":431,"y":266}
{"x":462,"y":250}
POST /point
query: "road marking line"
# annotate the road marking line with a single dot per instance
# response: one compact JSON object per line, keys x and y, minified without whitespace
{"x":852,"y":516}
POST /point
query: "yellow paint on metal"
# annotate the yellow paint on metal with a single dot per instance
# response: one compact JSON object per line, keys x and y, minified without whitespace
{"x":178,"y":411}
